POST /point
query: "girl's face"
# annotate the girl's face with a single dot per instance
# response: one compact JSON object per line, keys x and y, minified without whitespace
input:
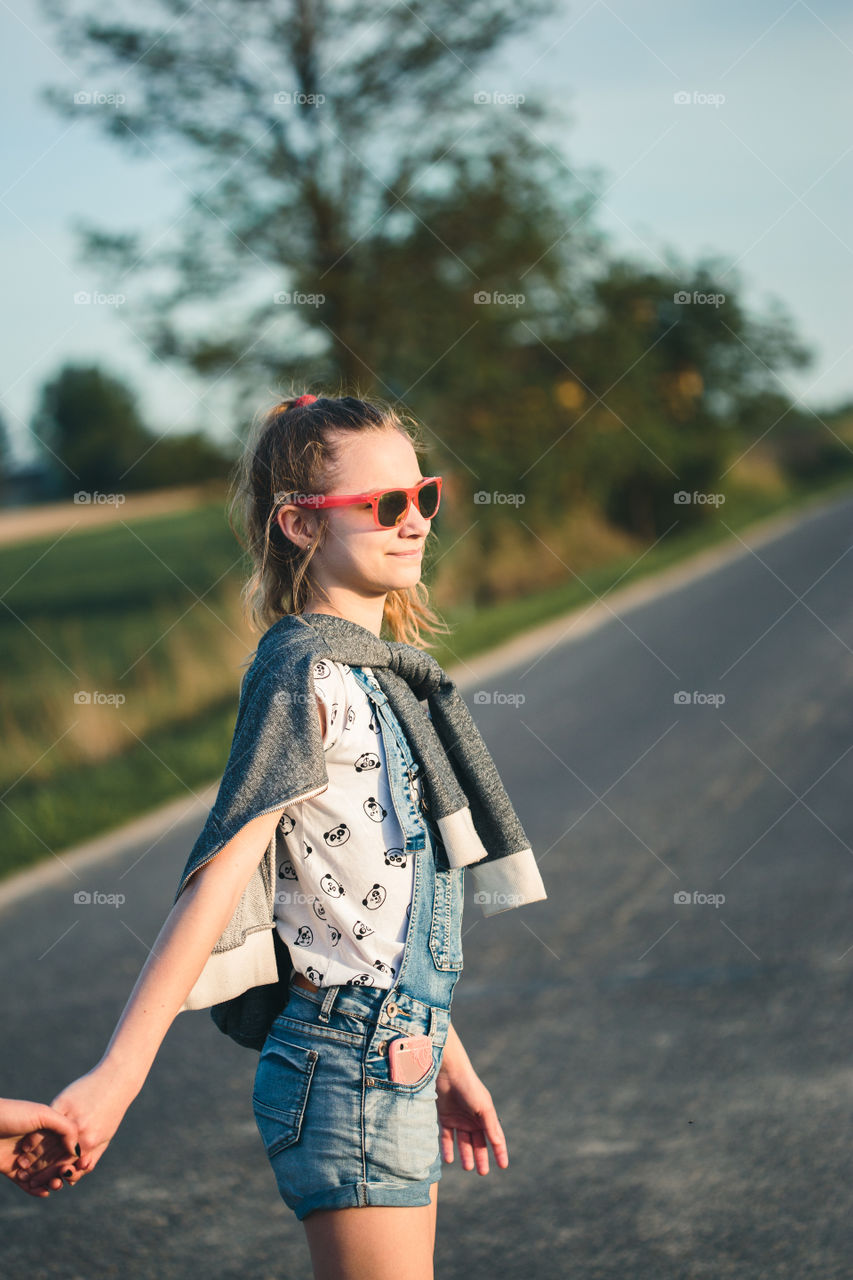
{"x":356,"y":557}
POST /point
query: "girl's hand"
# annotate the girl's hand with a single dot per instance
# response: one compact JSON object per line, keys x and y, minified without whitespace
{"x":465,"y":1106}
{"x":96,"y":1104}
{"x":33,"y":1124}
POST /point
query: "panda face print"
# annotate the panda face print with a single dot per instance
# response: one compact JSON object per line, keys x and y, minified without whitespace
{"x":287,"y":871}
{"x":369,"y":760}
{"x":361,"y":980}
{"x":332,"y":887}
{"x":361,"y":930}
{"x":350,"y":719}
{"x":322,"y":670}
{"x":319,"y":909}
{"x":374,"y":809}
{"x":374,"y":721}
{"x":313,"y":975}
{"x":384,"y":968}
{"x":337,"y":836}
{"x":304,"y":936}
{"x":334,"y":935}
{"x":395,"y":858}
{"x":375,"y":897}
{"x":286,"y":824}
{"x":307,"y":850}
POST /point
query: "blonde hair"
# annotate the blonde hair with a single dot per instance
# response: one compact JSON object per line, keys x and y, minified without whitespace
{"x":291,"y":448}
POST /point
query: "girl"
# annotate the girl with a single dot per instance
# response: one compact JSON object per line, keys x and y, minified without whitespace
{"x":362,"y":1081}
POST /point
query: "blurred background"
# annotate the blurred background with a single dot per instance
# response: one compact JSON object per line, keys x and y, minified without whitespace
{"x":600,"y":252}
{"x":591,"y":250}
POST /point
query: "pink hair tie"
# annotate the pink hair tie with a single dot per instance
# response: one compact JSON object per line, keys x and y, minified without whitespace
{"x":303,"y":400}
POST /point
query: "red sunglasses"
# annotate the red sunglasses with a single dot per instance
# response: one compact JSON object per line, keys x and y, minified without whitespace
{"x":390,"y":506}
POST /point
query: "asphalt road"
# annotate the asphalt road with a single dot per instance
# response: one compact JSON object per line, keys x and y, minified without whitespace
{"x":674,"y":1078}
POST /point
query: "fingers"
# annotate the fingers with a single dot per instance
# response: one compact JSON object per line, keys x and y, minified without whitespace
{"x":53,"y":1176}
{"x":495,"y":1134}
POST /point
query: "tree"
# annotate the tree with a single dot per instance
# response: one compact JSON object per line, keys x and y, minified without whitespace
{"x":315,"y":138}
{"x":88,"y":425}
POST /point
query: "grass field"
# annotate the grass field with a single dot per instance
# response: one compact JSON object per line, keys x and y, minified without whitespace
{"x":145,"y":619}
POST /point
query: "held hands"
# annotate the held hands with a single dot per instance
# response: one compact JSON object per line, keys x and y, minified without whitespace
{"x":27,"y":1127}
{"x":465,"y":1107}
{"x":94,"y":1106}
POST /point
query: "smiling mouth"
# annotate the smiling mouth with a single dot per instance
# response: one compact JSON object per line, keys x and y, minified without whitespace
{"x":414,"y":552}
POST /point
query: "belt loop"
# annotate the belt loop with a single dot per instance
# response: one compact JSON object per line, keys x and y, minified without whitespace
{"x":328,"y":1001}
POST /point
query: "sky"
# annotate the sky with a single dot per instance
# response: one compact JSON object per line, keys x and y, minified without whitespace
{"x":718,"y":129}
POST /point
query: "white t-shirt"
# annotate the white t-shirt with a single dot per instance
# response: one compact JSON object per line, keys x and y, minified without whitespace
{"x":344,"y":885}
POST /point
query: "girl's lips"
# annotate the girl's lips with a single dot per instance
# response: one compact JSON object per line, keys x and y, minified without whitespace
{"x":417,"y":552}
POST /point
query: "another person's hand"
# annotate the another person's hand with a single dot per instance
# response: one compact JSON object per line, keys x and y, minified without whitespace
{"x":26,"y":1127}
{"x":465,"y":1108}
{"x":95,"y":1104}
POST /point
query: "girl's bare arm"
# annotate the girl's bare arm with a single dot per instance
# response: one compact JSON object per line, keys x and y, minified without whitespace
{"x":97,"y":1101}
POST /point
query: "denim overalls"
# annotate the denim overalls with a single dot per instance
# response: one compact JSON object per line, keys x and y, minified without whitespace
{"x":338,"y":1131}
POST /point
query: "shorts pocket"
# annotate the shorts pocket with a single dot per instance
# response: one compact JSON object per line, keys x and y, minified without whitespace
{"x":445,"y":935}
{"x":280,"y":1093}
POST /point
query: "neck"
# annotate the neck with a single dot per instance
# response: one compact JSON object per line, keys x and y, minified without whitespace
{"x":365,"y":613}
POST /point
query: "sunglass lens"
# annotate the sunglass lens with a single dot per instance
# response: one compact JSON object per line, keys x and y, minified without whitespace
{"x":428,"y":500}
{"x":391,"y":508}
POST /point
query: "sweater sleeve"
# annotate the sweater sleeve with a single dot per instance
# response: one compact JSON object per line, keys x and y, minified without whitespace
{"x":276,"y":759}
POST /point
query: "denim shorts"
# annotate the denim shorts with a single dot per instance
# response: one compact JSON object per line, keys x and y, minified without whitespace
{"x":337,"y":1130}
